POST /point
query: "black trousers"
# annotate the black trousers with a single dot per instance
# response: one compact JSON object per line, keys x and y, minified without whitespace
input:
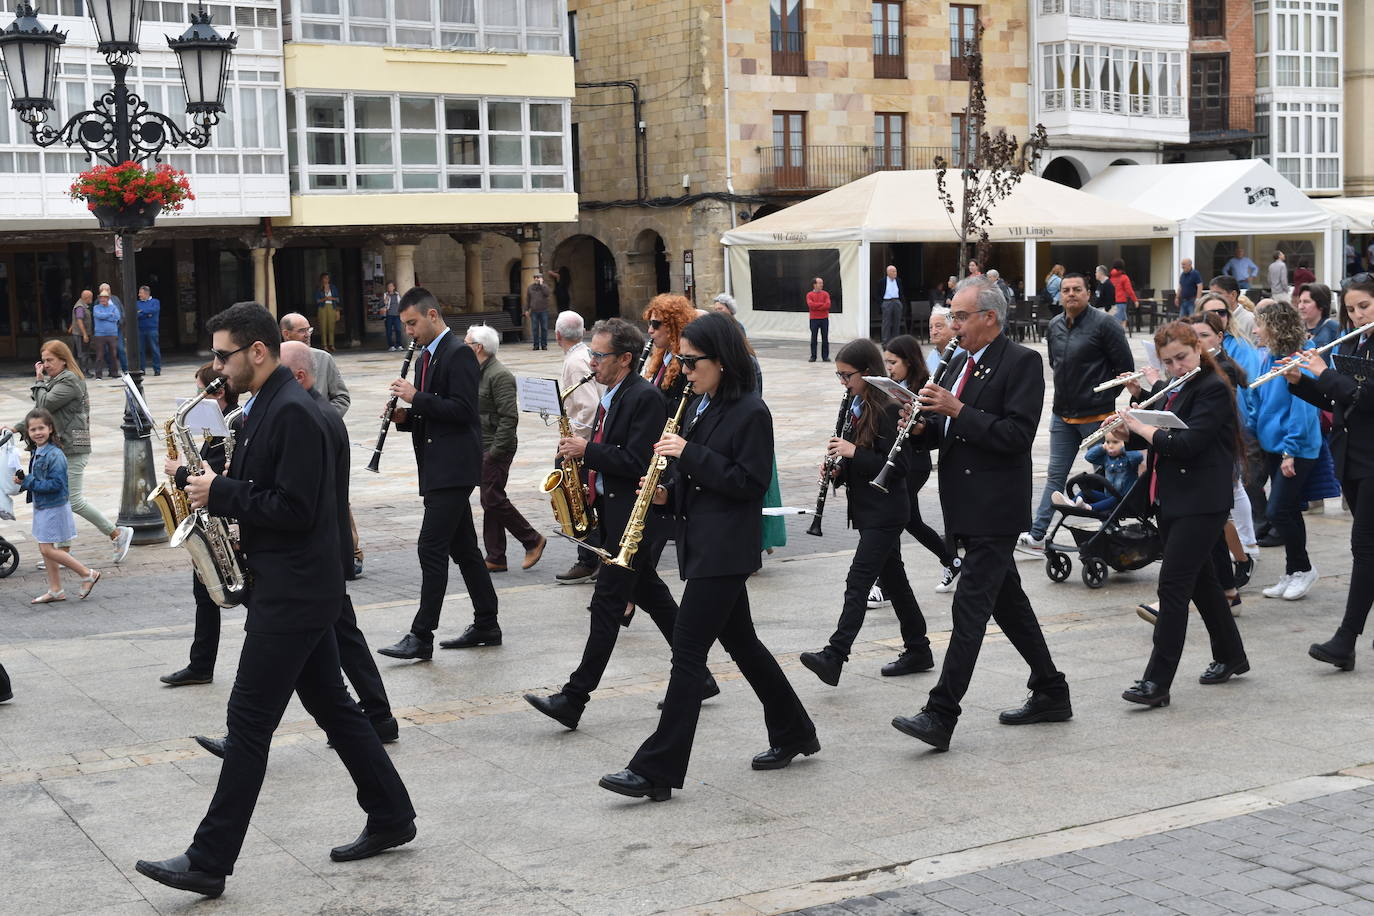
{"x":878,"y":558}
{"x":916,"y":526}
{"x":586,"y":557}
{"x":1222,"y":564}
{"x":990,"y":588}
{"x":271,"y":668}
{"x":1359,"y":493}
{"x":615,"y":587}
{"x":716,"y":608}
{"x":1186,"y":574}
{"x":205,"y":642}
{"x":447,"y":532}
{"x":820,"y":326}
{"x":359,"y":665}
{"x":1285,"y":509}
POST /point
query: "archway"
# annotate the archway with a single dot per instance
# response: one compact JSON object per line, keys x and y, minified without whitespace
{"x":1066,"y":171}
{"x":1124,"y":162}
{"x":593,"y":286}
{"x":647,"y":272}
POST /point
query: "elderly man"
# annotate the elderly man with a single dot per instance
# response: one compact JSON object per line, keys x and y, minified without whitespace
{"x":1086,"y":347}
{"x":891,"y":295}
{"x":1242,"y":322}
{"x":984,"y":428}
{"x":940,"y":336}
{"x":1189,"y":281}
{"x":1241,"y":269}
{"x":81,"y":328}
{"x":537,"y":299}
{"x":580,"y":406}
{"x":327,"y":378}
{"x":500,"y":413}
{"x":1002,"y":286}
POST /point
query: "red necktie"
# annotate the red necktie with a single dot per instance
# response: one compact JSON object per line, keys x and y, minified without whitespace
{"x":591,"y":475}
{"x":424,"y":369}
{"x":963,"y":379}
{"x":1154,"y":467}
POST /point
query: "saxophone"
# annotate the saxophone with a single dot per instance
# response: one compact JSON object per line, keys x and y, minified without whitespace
{"x":206,"y":537}
{"x":169,"y":499}
{"x":634,"y":528}
{"x":564,"y":484}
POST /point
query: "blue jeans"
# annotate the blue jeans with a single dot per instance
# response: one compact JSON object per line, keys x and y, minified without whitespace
{"x":1064,"y":441}
{"x":820,"y":326}
{"x":123,"y":356}
{"x":539,"y":329}
{"x":1185,"y":307}
{"x":147,"y":339}
{"x":394,"y":337}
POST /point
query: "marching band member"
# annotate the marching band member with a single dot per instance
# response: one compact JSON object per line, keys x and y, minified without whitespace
{"x":667,"y":314}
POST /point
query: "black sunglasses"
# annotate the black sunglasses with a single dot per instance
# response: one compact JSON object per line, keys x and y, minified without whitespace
{"x":690,"y":362}
{"x":655,"y":324}
{"x":223,"y":357}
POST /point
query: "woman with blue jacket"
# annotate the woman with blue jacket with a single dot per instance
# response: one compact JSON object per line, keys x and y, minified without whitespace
{"x":1289,"y":433}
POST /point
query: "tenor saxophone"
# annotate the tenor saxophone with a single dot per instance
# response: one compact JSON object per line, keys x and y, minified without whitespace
{"x":564,"y":484}
{"x":634,"y":528}
{"x":169,"y":499}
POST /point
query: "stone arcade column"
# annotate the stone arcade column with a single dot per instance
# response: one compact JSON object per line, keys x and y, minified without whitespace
{"x":529,"y":266}
{"x":259,"y":275}
{"x":472,"y":274}
{"x":405,"y":266}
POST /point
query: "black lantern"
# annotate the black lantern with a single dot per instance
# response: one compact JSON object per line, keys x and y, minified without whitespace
{"x":116,"y":24}
{"x":204,"y":57}
{"x":30,"y":55}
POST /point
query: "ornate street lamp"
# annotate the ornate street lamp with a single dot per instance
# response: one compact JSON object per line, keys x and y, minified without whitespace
{"x":120,"y":128}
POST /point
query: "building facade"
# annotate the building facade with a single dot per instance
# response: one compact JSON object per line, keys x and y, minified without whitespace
{"x":1359,"y":96}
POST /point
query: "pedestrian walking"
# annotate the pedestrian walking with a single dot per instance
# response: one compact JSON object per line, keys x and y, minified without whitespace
{"x":327,"y":305}
{"x":107,"y":317}
{"x":391,"y":317}
{"x":818,"y":312}
{"x":1189,"y":280}
{"x":537,"y":300}
{"x":45,"y":484}
{"x":1124,"y":298}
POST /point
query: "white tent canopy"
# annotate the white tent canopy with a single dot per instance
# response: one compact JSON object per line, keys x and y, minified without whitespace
{"x":894,"y":206}
{"x":1358,"y":212}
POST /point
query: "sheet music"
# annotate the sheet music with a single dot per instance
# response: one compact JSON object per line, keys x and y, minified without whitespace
{"x":1151,"y":354}
{"x":137,"y":395}
{"x":205,"y":418}
{"x":538,"y":395}
{"x":1163,"y":419}
{"x":892,"y":389}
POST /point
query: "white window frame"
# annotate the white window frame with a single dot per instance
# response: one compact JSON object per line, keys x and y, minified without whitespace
{"x":336,"y":28}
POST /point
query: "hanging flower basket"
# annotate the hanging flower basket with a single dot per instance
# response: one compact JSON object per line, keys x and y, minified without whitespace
{"x":129,"y":196}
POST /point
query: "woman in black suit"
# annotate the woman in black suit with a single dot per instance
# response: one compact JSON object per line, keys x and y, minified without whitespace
{"x":1190,"y":474}
{"x":667,"y":314}
{"x":1349,"y":396}
{"x":715,"y":488}
{"x":879,"y":518}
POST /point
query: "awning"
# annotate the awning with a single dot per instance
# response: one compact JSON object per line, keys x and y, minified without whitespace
{"x":1357,"y":212}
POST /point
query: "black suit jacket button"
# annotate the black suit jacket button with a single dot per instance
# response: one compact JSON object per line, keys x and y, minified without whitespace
{"x":698,"y":489}
{"x":1183,"y":470}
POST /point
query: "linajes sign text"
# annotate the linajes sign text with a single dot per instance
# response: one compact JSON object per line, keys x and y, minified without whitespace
{"x":1256,"y":197}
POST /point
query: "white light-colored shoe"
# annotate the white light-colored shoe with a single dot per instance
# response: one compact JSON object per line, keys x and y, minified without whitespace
{"x":1300,"y":584}
{"x":876,"y":598}
{"x":1060,"y":499}
{"x":124,"y":536}
{"x":1030,"y":543}
{"x":1278,"y":589}
{"x":951,"y":573}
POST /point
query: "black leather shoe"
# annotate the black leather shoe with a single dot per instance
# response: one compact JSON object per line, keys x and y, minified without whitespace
{"x":711,"y":689}
{"x":474,"y":637}
{"x":6,"y":696}
{"x":911,"y":661}
{"x":1221,"y":672}
{"x":1146,"y":693}
{"x":558,"y":707}
{"x":368,"y":844}
{"x":1039,"y":707}
{"x":628,"y":782}
{"x":213,"y":745}
{"x":410,"y":646}
{"x":1243,"y":571}
{"x":775,"y":758}
{"x":924,"y":727}
{"x":177,"y":872}
{"x":1272,"y":539}
{"x":824,"y":664}
{"x":388,"y":729}
{"x":1333,"y":652}
{"x":185,"y":677}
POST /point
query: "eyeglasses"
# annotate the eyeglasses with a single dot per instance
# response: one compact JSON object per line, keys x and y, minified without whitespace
{"x":846,"y":376}
{"x":223,"y":357}
{"x":594,"y":354}
{"x":655,"y":324}
{"x":690,"y":362}
{"x":961,"y":317}
{"x":307,"y":329}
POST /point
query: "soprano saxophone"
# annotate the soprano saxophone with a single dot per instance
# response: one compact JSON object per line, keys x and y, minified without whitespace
{"x":634,"y":528}
{"x":564,"y":484}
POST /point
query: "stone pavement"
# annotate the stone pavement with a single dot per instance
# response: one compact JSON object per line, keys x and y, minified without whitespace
{"x":97,"y":768}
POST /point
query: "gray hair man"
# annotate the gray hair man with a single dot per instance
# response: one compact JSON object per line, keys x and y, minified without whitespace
{"x":580,"y":406}
{"x":331,"y":384}
{"x":940,"y":335}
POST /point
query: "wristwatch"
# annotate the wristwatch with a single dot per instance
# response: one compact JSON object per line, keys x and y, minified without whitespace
{"x":1287,"y":457}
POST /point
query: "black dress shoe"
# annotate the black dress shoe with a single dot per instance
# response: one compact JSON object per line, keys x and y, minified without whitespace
{"x":1272,"y":539}
{"x":1039,"y":707}
{"x":1243,"y":571}
{"x":368,"y":844}
{"x":177,"y":872}
{"x":558,"y":707}
{"x":213,"y":745}
{"x":6,"y":696}
{"x":388,"y":729}
{"x":710,"y":689}
{"x":925,"y":727}
{"x":1146,"y":693}
{"x":474,"y":637}
{"x":628,"y":782}
{"x":410,"y":646}
{"x":1221,"y":672}
{"x":1334,"y":652}
{"x":824,"y":664}
{"x":185,"y":677}
{"x":775,"y":758}
{"x":911,"y":661}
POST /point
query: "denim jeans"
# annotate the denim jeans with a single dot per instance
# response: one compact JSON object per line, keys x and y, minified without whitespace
{"x":1185,"y":307}
{"x":1064,"y":441}
{"x":148,"y":340}
{"x":394,"y":337}
{"x":820,"y":326}
{"x":539,"y":329}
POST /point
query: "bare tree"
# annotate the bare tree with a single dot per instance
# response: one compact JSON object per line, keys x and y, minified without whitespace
{"x":990,"y":165}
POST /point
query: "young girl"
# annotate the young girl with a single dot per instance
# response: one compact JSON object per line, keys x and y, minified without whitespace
{"x":53,"y":522}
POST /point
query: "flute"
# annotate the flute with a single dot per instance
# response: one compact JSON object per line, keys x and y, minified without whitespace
{"x":1123,"y":380}
{"x":1101,"y":432}
{"x":376,"y":461}
{"x":1280,"y":370}
{"x":915,"y":416}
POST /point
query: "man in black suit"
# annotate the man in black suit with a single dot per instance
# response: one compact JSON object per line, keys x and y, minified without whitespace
{"x":446,"y":431}
{"x":984,"y":427}
{"x":281,"y":489}
{"x":629,"y":421}
{"x":890,"y":295}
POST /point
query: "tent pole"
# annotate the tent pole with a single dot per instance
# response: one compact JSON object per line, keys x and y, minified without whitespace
{"x":1031,"y":276}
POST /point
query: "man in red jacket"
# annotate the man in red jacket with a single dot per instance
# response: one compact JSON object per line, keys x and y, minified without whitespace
{"x":818,"y":307}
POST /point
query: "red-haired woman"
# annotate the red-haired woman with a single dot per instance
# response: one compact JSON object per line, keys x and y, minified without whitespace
{"x":667,"y":314}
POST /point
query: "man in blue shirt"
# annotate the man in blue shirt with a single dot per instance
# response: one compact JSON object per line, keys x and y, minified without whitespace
{"x":1242,"y":268}
{"x":149,"y":311}
{"x":1188,"y":282}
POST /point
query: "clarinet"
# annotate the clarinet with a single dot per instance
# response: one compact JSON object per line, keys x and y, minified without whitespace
{"x":843,"y":424}
{"x":880,"y":482}
{"x":376,"y":461}
{"x":644,"y":356}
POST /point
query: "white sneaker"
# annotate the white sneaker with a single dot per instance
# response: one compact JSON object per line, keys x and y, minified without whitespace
{"x":1278,"y":589}
{"x":1029,"y":542}
{"x":951,"y":573}
{"x":1301,"y":583}
{"x":876,"y":598}
{"x":124,"y":536}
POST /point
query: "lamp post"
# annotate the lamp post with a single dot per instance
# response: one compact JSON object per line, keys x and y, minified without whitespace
{"x":119,"y":128}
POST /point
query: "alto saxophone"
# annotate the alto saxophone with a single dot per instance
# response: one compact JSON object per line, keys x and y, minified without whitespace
{"x":206,"y":537}
{"x":169,"y":499}
{"x":634,"y":528}
{"x":564,"y":485}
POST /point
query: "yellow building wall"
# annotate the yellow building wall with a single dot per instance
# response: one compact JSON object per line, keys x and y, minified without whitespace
{"x":430,"y":209}
{"x":1359,"y":100}
{"x":378,"y":69}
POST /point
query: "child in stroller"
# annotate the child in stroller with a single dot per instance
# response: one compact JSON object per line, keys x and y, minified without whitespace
{"x":1111,"y":460}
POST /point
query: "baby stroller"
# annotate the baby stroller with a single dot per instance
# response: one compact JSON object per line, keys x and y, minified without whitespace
{"x":1123,"y":539}
{"x":9,"y":554}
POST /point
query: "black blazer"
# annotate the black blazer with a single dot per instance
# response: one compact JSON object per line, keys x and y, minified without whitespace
{"x":1351,"y":403}
{"x":717,"y":487}
{"x":870,"y":507}
{"x":281,"y":489}
{"x":985,"y":458}
{"x":631,"y":427}
{"x":443,"y":422}
{"x":672,"y":395}
{"x":337,"y":437}
{"x":880,"y":289}
{"x":1196,"y":466}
